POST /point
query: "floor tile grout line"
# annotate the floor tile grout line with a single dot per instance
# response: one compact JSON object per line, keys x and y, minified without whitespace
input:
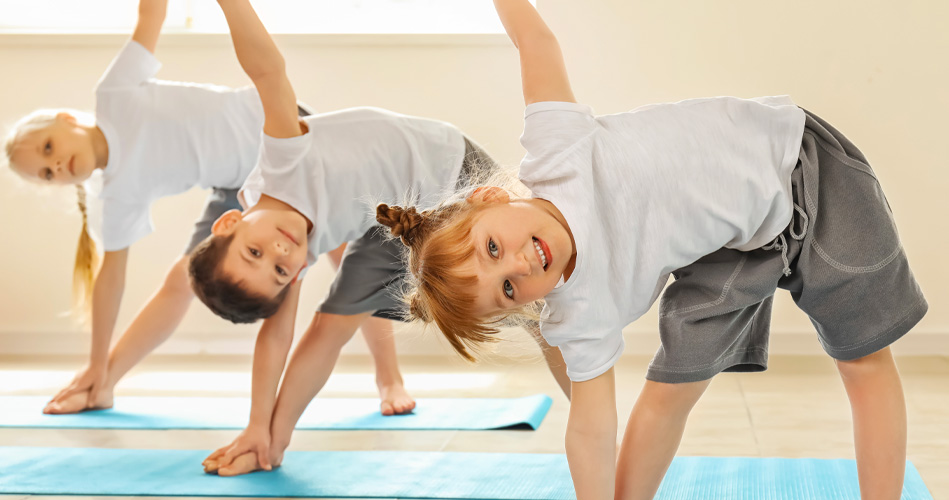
{"x":448,"y":440}
{"x":751,"y":422}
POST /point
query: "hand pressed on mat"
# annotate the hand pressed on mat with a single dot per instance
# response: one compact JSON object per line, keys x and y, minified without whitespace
{"x":248,"y":452}
{"x":87,"y":391}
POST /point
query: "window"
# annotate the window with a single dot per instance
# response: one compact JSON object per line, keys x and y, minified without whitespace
{"x":280,"y":16}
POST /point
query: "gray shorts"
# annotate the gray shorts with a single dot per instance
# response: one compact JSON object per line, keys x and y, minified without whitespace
{"x":371,"y":274}
{"x":847,"y":271}
{"x":221,"y":200}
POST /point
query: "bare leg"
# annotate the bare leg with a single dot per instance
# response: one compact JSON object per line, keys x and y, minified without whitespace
{"x":879,"y":423}
{"x":381,"y":341}
{"x":379,"y":337}
{"x":151,"y":327}
{"x":554,"y":358}
{"x":653,"y":435}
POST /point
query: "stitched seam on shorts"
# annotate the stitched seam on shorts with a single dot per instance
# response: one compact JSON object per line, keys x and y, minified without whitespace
{"x":911,"y":310}
{"x":855,"y":270}
{"x":807,"y":200}
{"x":690,"y":369}
{"x":719,"y":300}
{"x":843,"y":158}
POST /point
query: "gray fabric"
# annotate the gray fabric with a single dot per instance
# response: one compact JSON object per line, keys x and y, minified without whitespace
{"x":840,"y":258}
{"x":371,"y":274}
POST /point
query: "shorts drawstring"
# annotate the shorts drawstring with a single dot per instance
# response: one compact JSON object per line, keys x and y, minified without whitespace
{"x":781,"y":243}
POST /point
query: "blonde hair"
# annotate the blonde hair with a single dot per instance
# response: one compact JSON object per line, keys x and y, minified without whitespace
{"x":438,"y":244}
{"x":87,"y":263}
{"x":87,"y":256}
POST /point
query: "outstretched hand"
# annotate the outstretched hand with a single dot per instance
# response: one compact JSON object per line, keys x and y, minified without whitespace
{"x":90,"y":380}
{"x":249,"y":452}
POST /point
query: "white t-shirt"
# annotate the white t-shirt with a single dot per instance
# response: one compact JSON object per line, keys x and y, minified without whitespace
{"x":166,"y":137}
{"x":348,"y":161}
{"x":647,"y":192}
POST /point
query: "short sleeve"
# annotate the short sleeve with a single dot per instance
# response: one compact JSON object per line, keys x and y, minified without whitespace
{"x":276,"y":168}
{"x":588,"y":358}
{"x":278,"y":174}
{"x":124,"y":223}
{"x":133,"y":66}
{"x":558,"y":137}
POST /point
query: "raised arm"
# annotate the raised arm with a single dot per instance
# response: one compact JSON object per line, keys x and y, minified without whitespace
{"x":151,"y":15}
{"x":591,"y":437}
{"x":263,"y":63}
{"x":543,"y":73}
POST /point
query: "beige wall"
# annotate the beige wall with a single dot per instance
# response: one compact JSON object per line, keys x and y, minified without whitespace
{"x":877,"y":71}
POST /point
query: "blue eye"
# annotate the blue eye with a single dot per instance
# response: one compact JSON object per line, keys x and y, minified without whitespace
{"x":508,"y":289}
{"x":492,"y":248}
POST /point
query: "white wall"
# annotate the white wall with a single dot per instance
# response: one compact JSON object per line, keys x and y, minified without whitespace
{"x":877,"y":71}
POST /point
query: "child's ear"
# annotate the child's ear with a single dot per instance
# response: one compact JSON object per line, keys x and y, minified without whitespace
{"x":66,"y":117}
{"x":295,"y":278}
{"x":489,"y":194}
{"x":226,"y":223}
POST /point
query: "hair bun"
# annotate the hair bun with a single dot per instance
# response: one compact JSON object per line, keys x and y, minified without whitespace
{"x":402,"y":222}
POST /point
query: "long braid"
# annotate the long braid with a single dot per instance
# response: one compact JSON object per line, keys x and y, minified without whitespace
{"x":87,"y":262}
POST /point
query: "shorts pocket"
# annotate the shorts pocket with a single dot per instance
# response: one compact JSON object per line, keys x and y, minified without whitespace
{"x":855,"y":231}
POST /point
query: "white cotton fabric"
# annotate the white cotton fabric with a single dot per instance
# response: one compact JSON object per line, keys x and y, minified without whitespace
{"x":348,"y":161}
{"x":164,"y":138}
{"x":647,"y":192}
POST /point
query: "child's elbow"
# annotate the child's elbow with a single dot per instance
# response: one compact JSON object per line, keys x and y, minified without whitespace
{"x":275,"y":69}
{"x":537,"y":39}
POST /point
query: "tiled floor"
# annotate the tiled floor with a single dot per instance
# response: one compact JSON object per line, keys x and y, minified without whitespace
{"x":797,"y":408}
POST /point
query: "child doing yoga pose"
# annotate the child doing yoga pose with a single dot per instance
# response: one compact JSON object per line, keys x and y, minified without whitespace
{"x":732,"y":197}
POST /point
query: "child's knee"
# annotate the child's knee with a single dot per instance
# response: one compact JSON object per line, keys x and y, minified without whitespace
{"x":870,"y":364}
{"x":661,"y":400}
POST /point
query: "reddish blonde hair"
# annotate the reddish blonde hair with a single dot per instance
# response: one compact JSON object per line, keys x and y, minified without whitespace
{"x":439,"y":245}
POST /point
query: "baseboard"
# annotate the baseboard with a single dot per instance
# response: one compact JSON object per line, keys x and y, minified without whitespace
{"x":416,"y":343}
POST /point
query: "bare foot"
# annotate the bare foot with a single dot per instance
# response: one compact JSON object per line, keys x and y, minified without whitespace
{"x":77,"y":403}
{"x":395,"y":399}
{"x":243,"y":464}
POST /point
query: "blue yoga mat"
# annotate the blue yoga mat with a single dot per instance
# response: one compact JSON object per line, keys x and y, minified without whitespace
{"x":327,"y":414}
{"x":394,"y":474}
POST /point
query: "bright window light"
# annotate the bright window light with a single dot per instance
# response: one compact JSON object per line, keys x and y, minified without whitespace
{"x":280,"y":16}
{"x":337,"y":383}
{"x":20,"y":381}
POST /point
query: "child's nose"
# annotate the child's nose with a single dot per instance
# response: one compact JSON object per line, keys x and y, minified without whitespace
{"x":522,"y":266}
{"x":282,"y":249}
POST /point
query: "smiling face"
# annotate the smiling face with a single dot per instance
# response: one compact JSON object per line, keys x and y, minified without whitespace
{"x":521,"y":250}
{"x":268,"y":249}
{"x":61,"y":152}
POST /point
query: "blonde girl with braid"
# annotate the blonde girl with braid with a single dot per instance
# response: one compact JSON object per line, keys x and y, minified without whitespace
{"x":149,"y":139}
{"x":82,"y":147}
{"x":722,"y":194}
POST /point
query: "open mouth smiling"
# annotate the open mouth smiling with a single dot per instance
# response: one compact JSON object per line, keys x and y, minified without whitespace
{"x":543,"y":252}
